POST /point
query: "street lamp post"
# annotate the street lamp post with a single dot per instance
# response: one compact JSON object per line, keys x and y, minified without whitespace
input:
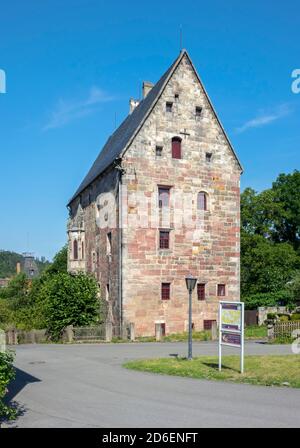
{"x":190,"y":284}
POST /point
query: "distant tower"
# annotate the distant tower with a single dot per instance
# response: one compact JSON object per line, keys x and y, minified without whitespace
{"x":30,"y":267}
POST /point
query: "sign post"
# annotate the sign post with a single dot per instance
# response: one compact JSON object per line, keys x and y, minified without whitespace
{"x":231,"y":328}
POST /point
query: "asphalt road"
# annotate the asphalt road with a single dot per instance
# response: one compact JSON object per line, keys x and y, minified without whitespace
{"x":86,"y":386}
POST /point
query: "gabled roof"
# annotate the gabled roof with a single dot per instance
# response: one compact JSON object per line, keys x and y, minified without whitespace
{"x":125,"y":133}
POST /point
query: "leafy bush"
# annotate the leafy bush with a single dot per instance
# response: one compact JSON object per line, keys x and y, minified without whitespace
{"x":295,"y":316}
{"x":7,"y":374}
{"x":284,"y":318}
{"x":253,"y":301}
{"x":69,"y":300}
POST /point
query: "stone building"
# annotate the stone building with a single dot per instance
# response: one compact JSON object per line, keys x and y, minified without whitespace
{"x":162,"y":200}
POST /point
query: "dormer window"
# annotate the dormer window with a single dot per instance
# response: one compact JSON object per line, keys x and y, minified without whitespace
{"x":198,"y":111}
{"x":169,"y":106}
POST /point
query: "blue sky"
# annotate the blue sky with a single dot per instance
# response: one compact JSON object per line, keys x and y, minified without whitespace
{"x":72,"y":66}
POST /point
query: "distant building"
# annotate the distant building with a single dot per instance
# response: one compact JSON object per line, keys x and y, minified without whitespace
{"x":29,"y":266}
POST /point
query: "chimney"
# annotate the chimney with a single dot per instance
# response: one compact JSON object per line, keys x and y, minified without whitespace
{"x":18,"y":267}
{"x":147,"y":86}
{"x":133,"y":104}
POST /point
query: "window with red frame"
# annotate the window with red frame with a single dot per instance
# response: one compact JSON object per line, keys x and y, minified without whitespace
{"x":176,"y":148}
{"x":221,"y":290}
{"x":163,"y":197}
{"x":201,"y":291}
{"x":164,"y":239}
{"x":207,"y":324}
{"x":165,"y":291}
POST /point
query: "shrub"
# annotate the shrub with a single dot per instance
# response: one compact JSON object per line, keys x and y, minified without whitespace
{"x":284,"y":318}
{"x":7,"y":373}
{"x":69,"y":300}
{"x":295,"y":316}
{"x":253,"y":301}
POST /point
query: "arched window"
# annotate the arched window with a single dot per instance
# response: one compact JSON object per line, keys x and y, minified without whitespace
{"x":75,"y":250}
{"x":82,"y":250}
{"x":176,"y":148}
{"x":202,"y":201}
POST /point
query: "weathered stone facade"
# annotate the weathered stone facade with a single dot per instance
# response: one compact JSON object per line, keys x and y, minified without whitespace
{"x":124,"y":202}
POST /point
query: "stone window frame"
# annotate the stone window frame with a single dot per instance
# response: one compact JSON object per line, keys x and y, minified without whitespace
{"x":198,"y":112}
{"x":158,"y":148}
{"x":206,"y":201}
{"x":159,"y":189}
{"x":169,"y":107}
{"x":199,"y":293}
{"x":219,"y":285}
{"x":109,"y":243}
{"x":75,"y":252}
{"x":164,"y":285}
{"x":207,"y":324}
{"x":208,"y":157}
{"x":176,"y":139}
{"x":160,"y":231}
{"x":107,"y":292}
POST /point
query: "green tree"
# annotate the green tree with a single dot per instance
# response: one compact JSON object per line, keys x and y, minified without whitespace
{"x":294,"y":286}
{"x":16,"y":291}
{"x":60,"y":262}
{"x":69,"y":300}
{"x":287,"y":193}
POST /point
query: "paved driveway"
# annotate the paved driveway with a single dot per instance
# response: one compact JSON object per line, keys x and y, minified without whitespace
{"x":85,"y":386}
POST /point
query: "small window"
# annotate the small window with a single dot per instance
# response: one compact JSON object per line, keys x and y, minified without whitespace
{"x":207,"y":324}
{"x":208,"y":157}
{"x":202,"y":201}
{"x":169,"y":106}
{"x":158,"y":151}
{"x":75,"y":250}
{"x":164,"y":239}
{"x":107,"y":292}
{"x":198,"y":111}
{"x":165,"y":291}
{"x":176,"y":148}
{"x":109,"y":243}
{"x":82,"y":249}
{"x":176,"y":96}
{"x":201,"y":291}
{"x":163,"y":197}
{"x":221,"y":290}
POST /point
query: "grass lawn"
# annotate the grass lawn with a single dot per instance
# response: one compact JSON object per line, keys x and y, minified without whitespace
{"x":178,"y":337}
{"x":256,"y":332}
{"x":260,"y":370}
